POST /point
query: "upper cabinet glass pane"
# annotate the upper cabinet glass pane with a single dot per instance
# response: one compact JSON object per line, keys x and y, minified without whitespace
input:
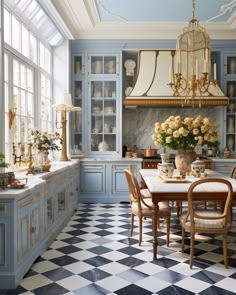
{"x":78,"y":65}
{"x":231,"y":65}
{"x":109,"y":65}
{"x":103,"y":65}
{"x":97,"y":65}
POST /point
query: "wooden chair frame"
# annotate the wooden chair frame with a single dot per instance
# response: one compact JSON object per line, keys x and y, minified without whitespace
{"x":189,"y":219}
{"x":145,"y":209}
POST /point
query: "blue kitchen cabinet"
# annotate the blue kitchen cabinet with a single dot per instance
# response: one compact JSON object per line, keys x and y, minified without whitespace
{"x":97,"y":89}
{"x":230,"y":111}
{"x":30,"y":223}
{"x":6,"y":235}
{"x":103,"y":180}
{"x":31,"y":218}
{"x":93,"y":178}
{"x":118,"y":180}
{"x":78,"y":91}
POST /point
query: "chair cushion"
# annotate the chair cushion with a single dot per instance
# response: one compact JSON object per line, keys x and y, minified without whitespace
{"x":145,"y":193}
{"x":164,"y":208}
{"x":204,"y":223}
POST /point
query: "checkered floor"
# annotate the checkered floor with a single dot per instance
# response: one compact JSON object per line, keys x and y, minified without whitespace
{"x":94,"y":254}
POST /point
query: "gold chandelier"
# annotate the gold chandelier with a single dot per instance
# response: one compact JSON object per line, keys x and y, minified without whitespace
{"x":190,"y":74}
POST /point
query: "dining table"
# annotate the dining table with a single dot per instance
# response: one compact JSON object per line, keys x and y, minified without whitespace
{"x":175,"y":188}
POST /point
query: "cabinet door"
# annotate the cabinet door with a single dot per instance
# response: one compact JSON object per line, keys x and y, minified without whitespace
{"x":118,"y":182}
{"x":103,"y":108}
{"x":23,"y":229}
{"x":103,"y":64}
{"x":78,"y":92}
{"x":230,"y":88}
{"x":6,"y":236}
{"x":93,"y":178}
{"x":30,"y":224}
{"x":36,"y":221}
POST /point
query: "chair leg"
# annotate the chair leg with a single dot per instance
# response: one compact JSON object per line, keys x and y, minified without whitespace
{"x":132,"y":224}
{"x":178,"y":208}
{"x":183,"y":236}
{"x":191,"y":249}
{"x":225,"y":250}
{"x":140,"y":230}
{"x":167,"y":231}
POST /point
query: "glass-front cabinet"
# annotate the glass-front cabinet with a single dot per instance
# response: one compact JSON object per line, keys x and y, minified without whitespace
{"x":103,"y":118}
{"x":99,"y":64}
{"x":230,"y":88}
{"x":76,"y":119}
{"x":96,"y":88}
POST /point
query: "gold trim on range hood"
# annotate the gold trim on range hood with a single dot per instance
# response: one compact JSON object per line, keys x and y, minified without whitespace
{"x":152,"y":90}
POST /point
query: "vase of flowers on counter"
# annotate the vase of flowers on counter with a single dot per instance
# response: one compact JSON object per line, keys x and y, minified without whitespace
{"x":183,"y":135}
{"x":45,"y":142}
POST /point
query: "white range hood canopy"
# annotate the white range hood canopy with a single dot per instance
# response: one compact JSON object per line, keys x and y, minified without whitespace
{"x":152,"y":89}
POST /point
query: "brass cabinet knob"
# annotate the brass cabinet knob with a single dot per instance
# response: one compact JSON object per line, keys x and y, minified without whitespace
{"x":33,"y":229}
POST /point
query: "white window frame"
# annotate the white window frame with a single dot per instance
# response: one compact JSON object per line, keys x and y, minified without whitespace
{"x":38,"y":71}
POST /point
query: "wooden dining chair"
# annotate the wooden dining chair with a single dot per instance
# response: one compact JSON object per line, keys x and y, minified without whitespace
{"x":142,"y":206}
{"x":207,"y":221}
{"x":233,"y":175}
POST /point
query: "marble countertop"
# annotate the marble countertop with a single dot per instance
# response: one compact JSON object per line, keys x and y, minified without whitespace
{"x":222,"y":159}
{"x":34,"y":180}
{"x":111,"y":159}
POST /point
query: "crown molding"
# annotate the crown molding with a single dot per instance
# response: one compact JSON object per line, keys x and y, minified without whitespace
{"x":152,"y":30}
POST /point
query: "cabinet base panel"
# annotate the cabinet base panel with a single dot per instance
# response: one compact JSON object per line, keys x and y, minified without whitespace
{"x":107,"y":199}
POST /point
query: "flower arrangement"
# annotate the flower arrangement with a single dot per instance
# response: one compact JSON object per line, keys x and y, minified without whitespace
{"x":179,"y":133}
{"x":45,"y":141}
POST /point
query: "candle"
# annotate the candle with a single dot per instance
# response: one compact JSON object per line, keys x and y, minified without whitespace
{"x":170,"y":79}
{"x":205,"y":66}
{"x":214,"y":71}
{"x":206,"y":54}
{"x":196,"y":69}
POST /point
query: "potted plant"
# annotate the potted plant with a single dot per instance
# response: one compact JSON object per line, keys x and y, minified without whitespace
{"x":3,"y":175}
{"x":3,"y":164}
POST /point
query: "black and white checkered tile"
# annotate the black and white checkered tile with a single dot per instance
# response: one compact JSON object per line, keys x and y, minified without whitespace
{"x":94,"y":255}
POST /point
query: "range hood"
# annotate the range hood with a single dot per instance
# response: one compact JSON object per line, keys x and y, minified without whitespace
{"x":152,"y":90}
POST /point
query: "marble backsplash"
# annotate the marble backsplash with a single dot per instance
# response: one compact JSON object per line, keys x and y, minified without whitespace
{"x":138,"y":123}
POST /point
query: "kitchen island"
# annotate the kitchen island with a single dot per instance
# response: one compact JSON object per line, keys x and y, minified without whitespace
{"x":32,"y":217}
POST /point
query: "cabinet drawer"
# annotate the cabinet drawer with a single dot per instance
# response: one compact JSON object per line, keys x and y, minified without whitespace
{"x":150,"y":165}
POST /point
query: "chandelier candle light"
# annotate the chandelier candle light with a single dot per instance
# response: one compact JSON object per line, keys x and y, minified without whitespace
{"x":192,"y":77}
{"x":64,"y":108}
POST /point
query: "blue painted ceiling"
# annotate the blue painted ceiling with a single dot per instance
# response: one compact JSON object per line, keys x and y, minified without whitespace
{"x":165,"y":11}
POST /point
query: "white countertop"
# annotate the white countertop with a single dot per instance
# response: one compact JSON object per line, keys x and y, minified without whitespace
{"x":222,"y":159}
{"x":111,"y":159}
{"x":156,"y":184}
{"x":34,"y":180}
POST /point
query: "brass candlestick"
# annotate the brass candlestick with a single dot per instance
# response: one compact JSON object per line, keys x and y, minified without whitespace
{"x":64,"y":108}
{"x":64,"y":145}
{"x":30,"y":169}
{"x":16,"y":159}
